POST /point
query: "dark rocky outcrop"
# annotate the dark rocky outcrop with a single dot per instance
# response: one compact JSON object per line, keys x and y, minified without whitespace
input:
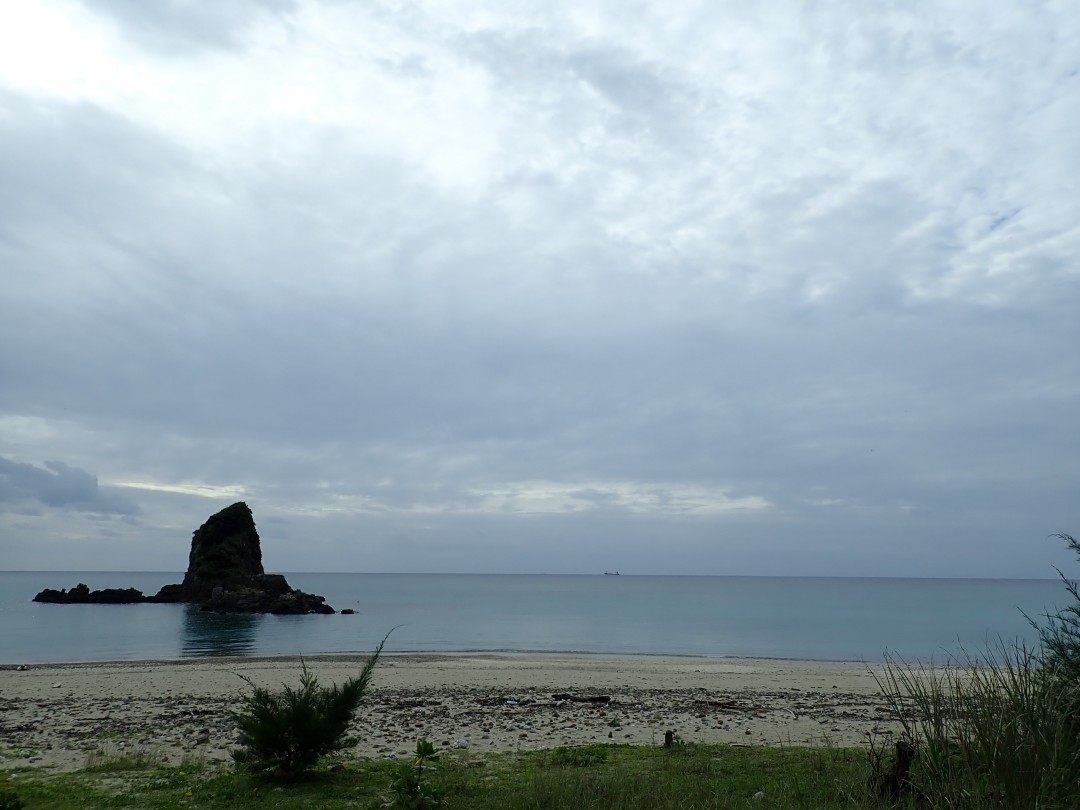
{"x":224,"y":551}
{"x":82,"y":595}
{"x":267,"y":593}
{"x":225,"y":574}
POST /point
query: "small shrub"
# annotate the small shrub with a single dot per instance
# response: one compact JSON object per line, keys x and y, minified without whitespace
{"x":10,"y":801}
{"x":409,"y":789}
{"x":287,"y":732}
{"x":580,"y":756}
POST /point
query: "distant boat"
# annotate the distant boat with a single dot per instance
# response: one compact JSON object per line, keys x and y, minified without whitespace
{"x":611,"y":573}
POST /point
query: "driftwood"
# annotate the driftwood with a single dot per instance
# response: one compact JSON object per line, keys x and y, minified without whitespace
{"x":580,"y":699}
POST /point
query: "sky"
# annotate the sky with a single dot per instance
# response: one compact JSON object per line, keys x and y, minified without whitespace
{"x":725,"y":288}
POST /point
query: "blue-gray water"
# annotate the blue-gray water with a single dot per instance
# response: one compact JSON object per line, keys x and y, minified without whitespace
{"x":842,"y":619}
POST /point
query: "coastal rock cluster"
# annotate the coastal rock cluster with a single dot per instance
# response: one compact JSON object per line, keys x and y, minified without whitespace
{"x":225,"y":574}
{"x":82,"y":595}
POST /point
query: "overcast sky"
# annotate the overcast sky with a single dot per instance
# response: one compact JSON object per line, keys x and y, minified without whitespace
{"x":556,"y":287}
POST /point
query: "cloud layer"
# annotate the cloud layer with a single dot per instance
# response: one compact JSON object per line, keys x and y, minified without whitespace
{"x":474,"y":287}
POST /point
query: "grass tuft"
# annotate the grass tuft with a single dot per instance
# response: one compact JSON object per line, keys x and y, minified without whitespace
{"x":999,"y":730}
{"x":101,"y":761}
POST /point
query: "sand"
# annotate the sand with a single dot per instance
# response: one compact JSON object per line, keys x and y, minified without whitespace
{"x":55,"y":716}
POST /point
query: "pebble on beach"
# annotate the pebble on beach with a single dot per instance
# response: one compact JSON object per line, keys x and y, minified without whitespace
{"x":183,"y":709}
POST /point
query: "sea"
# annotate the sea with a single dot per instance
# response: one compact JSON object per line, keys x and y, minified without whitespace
{"x":804,"y":618}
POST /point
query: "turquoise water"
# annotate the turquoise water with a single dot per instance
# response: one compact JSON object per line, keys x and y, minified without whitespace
{"x":842,"y":619}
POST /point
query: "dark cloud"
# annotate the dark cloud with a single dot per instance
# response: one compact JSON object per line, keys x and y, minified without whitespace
{"x":60,"y":486}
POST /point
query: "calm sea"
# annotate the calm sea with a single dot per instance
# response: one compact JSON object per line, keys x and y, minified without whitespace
{"x":843,"y":619}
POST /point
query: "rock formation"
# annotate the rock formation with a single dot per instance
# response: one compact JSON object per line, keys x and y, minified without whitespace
{"x":224,"y":550}
{"x":225,"y":574}
{"x":82,"y":595}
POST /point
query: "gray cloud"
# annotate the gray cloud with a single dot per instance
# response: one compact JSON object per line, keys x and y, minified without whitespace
{"x":729,"y":294}
{"x":59,"y":485}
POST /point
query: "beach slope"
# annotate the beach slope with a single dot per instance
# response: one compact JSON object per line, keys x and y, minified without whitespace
{"x":56,"y":715}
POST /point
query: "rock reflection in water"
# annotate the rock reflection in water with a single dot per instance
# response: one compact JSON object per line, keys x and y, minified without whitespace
{"x":208,"y":634}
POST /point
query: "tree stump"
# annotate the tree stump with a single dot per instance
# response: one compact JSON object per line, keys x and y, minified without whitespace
{"x":895,"y":783}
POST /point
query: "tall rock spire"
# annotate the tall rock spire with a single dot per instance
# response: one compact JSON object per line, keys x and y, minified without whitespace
{"x":225,"y":574}
{"x":224,"y":551}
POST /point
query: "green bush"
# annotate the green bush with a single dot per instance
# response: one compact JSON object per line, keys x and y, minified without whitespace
{"x":9,"y":801}
{"x":286,"y":732}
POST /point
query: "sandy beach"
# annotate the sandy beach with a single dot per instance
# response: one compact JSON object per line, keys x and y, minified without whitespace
{"x":56,"y":715}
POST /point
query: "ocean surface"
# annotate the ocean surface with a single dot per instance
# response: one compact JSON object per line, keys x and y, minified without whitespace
{"x":842,"y":619}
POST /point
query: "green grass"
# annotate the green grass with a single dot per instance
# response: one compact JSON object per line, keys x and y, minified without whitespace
{"x":1002,"y":729}
{"x":689,"y":777}
{"x":993,"y":732}
{"x":103,"y":762}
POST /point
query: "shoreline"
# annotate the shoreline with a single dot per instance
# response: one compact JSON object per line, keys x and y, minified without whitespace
{"x":56,"y":715}
{"x":422,"y":654}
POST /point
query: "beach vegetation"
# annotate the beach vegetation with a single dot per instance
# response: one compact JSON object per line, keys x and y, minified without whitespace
{"x":1059,"y":637}
{"x":989,"y":732}
{"x":285,"y":733}
{"x":9,"y":800}
{"x":1001,"y":729}
{"x":102,"y":761}
{"x":708,"y":777}
{"x":18,"y":752}
{"x":411,"y":791}
{"x":579,"y":756}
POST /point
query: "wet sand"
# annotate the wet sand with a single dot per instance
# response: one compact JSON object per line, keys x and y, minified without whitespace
{"x":56,"y":715}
